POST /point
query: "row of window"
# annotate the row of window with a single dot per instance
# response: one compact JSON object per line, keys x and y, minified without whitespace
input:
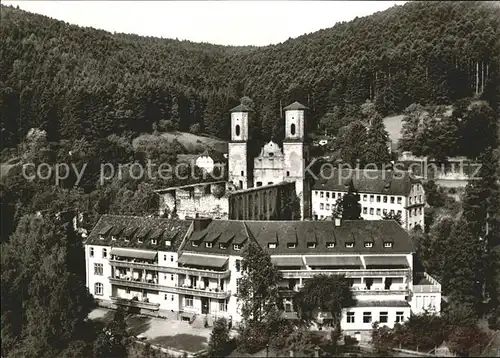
{"x":425,"y":301}
{"x":380,"y":211}
{"x":383,"y":198}
{"x":416,"y":224}
{"x":373,"y":198}
{"x":189,"y":302}
{"x":414,"y":200}
{"x":222,"y":246}
{"x":383,"y":317}
{"x":329,"y":245}
{"x":375,"y":211}
{"x":414,"y":212}
{"x":326,"y":194}
{"x":99,"y":271}
{"x":367,"y":316}
{"x":105,"y":254}
{"x":168,"y":243}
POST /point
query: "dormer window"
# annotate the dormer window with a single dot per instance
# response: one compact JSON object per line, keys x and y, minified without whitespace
{"x":311,"y":245}
{"x":101,"y":237}
{"x":291,"y":245}
{"x":330,"y":245}
{"x":387,"y":244}
{"x":154,"y":241}
{"x":194,"y":243}
{"x":222,"y":246}
{"x":138,"y":240}
{"x":271,"y":245}
{"x":236,"y":247}
{"x":368,"y":244}
{"x":168,"y":243}
{"x":208,"y":245}
{"x":113,"y":238}
{"x":349,"y":245}
{"x":127,"y":240}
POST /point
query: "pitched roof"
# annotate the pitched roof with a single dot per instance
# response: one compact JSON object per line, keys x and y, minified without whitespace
{"x":226,"y":232}
{"x":143,"y":228}
{"x":294,"y":106}
{"x":241,"y":108}
{"x":385,"y":182}
{"x":303,"y":232}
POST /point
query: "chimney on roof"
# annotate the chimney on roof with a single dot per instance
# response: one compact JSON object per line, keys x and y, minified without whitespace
{"x":338,"y":222}
{"x":201,"y":223}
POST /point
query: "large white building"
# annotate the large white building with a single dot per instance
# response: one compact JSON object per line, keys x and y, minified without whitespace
{"x":381,"y":192}
{"x":159,"y":265}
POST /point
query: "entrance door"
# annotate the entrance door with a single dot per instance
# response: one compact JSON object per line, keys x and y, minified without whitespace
{"x":204,"y":305}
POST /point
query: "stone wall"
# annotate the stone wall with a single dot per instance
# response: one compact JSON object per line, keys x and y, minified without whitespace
{"x":262,"y":203}
{"x":210,"y":200}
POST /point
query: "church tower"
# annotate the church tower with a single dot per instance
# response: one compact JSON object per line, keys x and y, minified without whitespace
{"x":296,"y":154}
{"x":238,"y":163}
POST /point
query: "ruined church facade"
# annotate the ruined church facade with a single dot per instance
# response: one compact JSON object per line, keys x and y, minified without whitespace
{"x":273,"y":165}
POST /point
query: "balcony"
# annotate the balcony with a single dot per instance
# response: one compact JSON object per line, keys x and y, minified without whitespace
{"x":203,"y":293}
{"x":175,"y":270}
{"x":426,"y":289}
{"x":347,"y":273}
{"x":140,"y":283}
{"x":357,"y":291}
{"x":380,"y":292}
{"x":135,"y":303}
{"x":152,"y":285}
{"x":425,"y":283}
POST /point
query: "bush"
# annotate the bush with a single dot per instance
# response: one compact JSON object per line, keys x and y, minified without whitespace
{"x":220,"y":343}
{"x":165,"y":125}
{"x":195,"y":128}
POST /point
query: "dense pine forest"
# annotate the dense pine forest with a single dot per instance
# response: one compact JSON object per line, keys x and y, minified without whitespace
{"x":87,"y":97}
{"x":76,"y":82}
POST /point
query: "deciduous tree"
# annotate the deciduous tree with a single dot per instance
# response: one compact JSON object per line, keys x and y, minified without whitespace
{"x":324,"y":294}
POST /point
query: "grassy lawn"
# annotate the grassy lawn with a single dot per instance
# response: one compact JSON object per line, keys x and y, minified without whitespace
{"x":185,"y":342}
{"x":135,"y":324}
{"x":393,"y":126}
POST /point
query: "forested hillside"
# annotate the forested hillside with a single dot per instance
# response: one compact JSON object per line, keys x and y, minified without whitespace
{"x":78,"y":82}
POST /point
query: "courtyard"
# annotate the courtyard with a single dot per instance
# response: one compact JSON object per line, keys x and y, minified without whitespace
{"x":167,"y":333}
